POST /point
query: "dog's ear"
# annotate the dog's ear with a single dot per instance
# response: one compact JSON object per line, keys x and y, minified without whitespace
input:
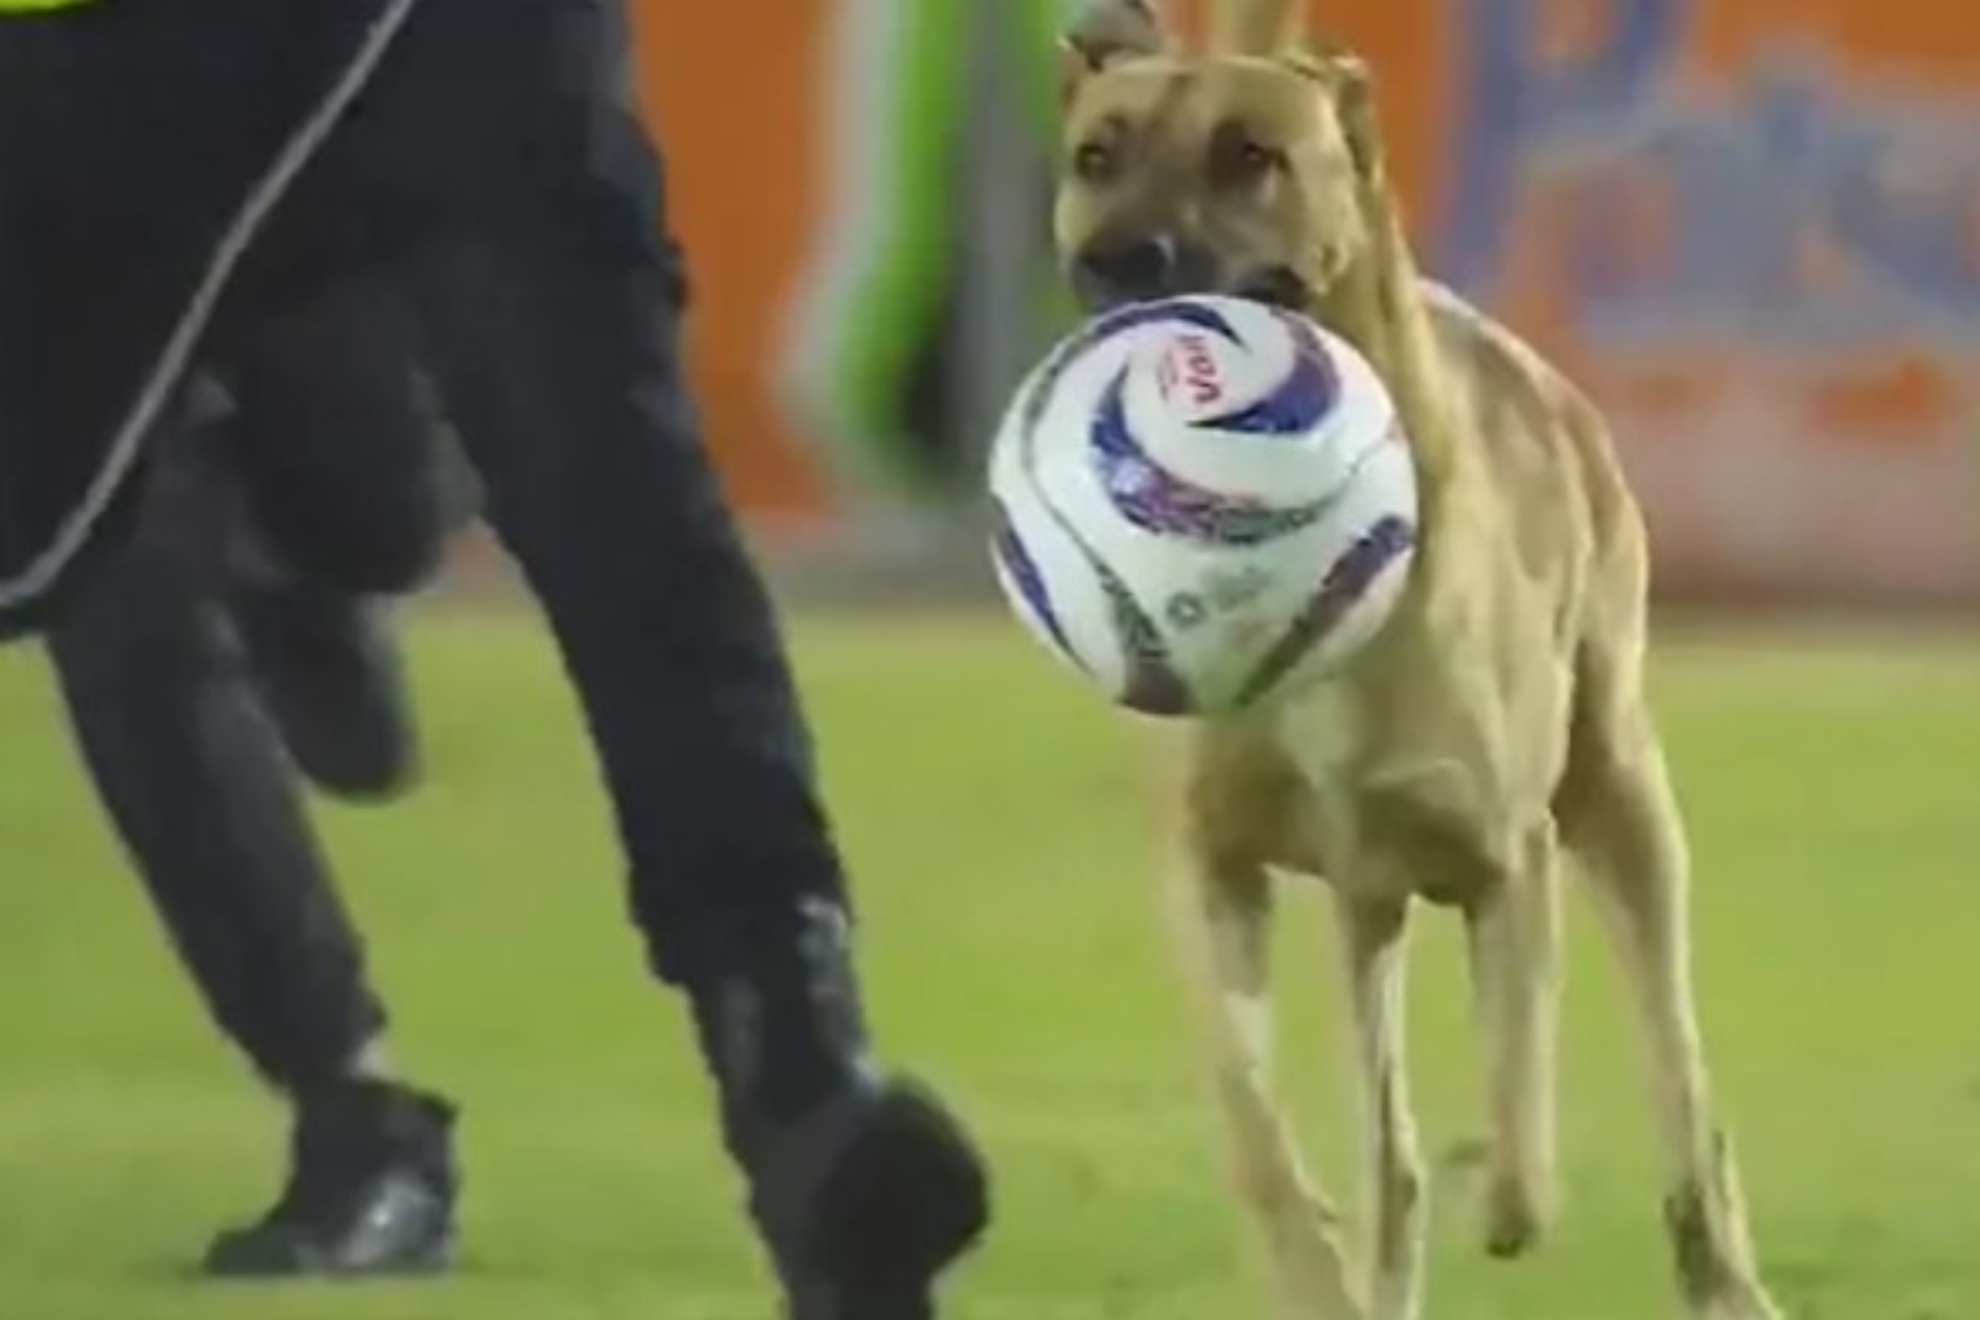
{"x":1106,"y":31}
{"x":1354,"y":100}
{"x":1256,"y":27}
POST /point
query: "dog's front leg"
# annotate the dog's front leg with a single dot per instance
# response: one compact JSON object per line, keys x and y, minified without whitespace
{"x":1374,"y":936}
{"x":1514,"y":929}
{"x":1224,"y":925}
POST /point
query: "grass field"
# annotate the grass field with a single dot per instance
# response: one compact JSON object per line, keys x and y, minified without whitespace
{"x":998,"y":820}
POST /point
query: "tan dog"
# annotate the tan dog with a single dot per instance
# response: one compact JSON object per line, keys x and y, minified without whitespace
{"x":1496,"y":730}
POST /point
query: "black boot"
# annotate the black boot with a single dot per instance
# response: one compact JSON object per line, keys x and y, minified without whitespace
{"x":864,"y":1187}
{"x":867,"y":1201}
{"x":371,"y":1191}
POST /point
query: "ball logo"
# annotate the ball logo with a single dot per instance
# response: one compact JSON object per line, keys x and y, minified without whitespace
{"x":1190,"y":367}
{"x":1221,"y":593}
{"x":1186,"y":610}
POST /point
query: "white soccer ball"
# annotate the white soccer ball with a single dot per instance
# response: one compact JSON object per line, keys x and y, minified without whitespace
{"x":1202,"y":504}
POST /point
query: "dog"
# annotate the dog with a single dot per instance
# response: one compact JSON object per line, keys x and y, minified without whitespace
{"x":1495,"y":733}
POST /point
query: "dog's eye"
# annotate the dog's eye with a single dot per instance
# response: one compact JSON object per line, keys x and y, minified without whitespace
{"x":1093,"y":161}
{"x":1238,"y":159}
{"x":1257,"y":158}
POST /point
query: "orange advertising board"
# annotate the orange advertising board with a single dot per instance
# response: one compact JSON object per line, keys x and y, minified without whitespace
{"x":1750,"y":227}
{"x":735,"y":92}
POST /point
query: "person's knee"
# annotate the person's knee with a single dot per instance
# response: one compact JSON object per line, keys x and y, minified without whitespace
{"x":392,"y":554}
{"x":388,"y":543}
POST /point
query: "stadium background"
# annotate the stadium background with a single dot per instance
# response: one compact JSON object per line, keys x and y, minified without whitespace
{"x":1751,"y":226}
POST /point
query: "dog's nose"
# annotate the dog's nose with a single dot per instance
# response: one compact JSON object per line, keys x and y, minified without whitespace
{"x":1132,"y":268}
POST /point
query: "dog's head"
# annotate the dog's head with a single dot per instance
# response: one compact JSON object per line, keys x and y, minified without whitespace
{"x":1229,"y":172}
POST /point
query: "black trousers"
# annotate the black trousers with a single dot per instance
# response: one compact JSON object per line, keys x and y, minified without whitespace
{"x":496,"y":172}
{"x":326,"y":462}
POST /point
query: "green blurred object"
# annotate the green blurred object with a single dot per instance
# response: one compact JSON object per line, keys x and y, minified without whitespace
{"x":921,"y":312}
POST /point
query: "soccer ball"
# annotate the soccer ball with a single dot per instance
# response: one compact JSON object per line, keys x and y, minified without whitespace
{"x":1202,"y":504}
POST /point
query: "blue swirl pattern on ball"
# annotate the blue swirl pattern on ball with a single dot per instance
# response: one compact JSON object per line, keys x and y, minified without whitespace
{"x":1296,"y":404}
{"x":1022,"y":569}
{"x":1161,"y":502}
{"x":1105,"y":326}
{"x":1340,"y":590}
{"x":1157,"y":500}
{"x":1153,"y":685}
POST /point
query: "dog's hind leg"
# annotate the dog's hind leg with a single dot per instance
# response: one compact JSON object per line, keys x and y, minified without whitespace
{"x":1515,"y":947}
{"x":1374,"y":937}
{"x":1224,"y":924}
{"x":1619,"y":819}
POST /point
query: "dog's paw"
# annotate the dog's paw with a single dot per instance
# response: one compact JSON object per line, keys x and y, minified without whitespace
{"x":1516,"y":1218}
{"x":1515,"y":1210}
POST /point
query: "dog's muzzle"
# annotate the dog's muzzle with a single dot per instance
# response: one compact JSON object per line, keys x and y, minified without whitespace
{"x":1279,"y":286}
{"x":1111,"y":271}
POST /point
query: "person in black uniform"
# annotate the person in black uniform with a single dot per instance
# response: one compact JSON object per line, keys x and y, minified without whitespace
{"x":493,"y":165}
{"x":231,"y":643}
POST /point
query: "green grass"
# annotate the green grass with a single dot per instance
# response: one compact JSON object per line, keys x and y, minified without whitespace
{"x":999,"y":821}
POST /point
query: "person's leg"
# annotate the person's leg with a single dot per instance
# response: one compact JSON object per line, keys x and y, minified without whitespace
{"x":128,"y":135}
{"x":332,"y":676}
{"x":195,"y":780}
{"x":335,"y":440}
{"x":553,"y":327}
{"x":600,"y":491}
{"x":337,"y":455}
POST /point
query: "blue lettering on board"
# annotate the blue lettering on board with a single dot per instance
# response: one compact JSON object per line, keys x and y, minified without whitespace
{"x":1751,"y":171}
